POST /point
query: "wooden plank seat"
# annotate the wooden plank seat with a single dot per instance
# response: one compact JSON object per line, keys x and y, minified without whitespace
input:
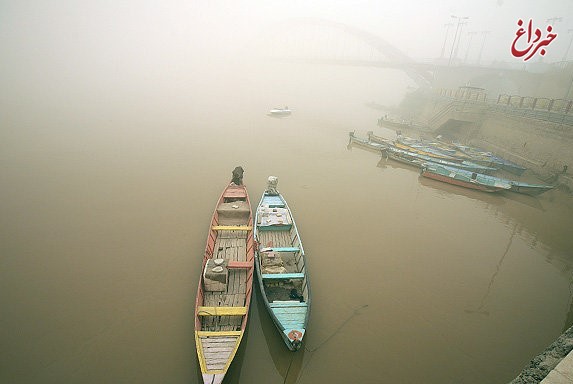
{"x":280,"y":249}
{"x":231,"y":228}
{"x":282,"y":276}
{"x":218,"y":333}
{"x":221,"y":311}
{"x":239,"y":264}
{"x":279,"y":227}
{"x":273,"y":202}
{"x":235,"y":192}
{"x":282,"y":304}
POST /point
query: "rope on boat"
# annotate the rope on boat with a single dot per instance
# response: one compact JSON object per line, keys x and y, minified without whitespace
{"x":322,"y":343}
{"x":288,"y":369}
{"x":337,"y":330}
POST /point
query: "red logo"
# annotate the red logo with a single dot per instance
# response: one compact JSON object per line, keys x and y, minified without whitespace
{"x":532,"y":42}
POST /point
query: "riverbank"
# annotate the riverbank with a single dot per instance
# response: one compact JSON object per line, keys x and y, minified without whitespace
{"x":553,"y":366}
{"x":542,"y":147}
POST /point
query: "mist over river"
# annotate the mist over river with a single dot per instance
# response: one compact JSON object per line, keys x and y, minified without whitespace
{"x":108,"y":186}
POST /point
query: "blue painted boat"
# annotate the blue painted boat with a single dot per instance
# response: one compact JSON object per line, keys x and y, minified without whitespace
{"x":462,"y":177}
{"x":419,"y":160}
{"x":490,"y":159}
{"x":467,"y":179}
{"x":529,"y":189}
{"x":281,"y":267}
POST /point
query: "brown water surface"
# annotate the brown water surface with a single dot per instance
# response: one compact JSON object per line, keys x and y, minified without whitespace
{"x":106,"y":201}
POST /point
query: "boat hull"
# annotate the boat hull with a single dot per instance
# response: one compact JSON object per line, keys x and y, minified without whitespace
{"x":461,"y":183}
{"x":530,"y":189}
{"x":227,"y":277}
{"x":280,"y":112}
{"x":280,"y":266}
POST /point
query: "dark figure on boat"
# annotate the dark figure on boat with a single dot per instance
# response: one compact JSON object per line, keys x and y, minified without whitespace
{"x":296,"y":344}
{"x":294,"y":295}
{"x":238,"y":176}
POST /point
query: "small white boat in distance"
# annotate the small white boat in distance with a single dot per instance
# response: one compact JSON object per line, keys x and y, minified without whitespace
{"x":280,"y":111}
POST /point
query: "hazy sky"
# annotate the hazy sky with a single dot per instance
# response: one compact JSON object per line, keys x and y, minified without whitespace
{"x":415,"y":26}
{"x":56,"y":38}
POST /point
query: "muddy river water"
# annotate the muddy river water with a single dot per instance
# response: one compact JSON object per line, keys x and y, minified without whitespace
{"x":106,"y":203}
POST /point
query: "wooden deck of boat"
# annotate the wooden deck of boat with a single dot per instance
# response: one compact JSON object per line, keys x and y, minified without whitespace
{"x":231,"y":245}
{"x":217,"y":349}
{"x":275,"y":238}
{"x":292,"y":263}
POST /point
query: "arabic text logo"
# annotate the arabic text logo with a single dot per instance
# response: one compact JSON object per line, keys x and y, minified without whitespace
{"x":533,"y":44}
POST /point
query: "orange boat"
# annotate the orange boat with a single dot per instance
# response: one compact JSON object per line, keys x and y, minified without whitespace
{"x":225,"y":286}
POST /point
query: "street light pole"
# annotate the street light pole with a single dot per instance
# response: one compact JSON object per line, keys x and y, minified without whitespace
{"x":569,"y":47}
{"x":459,"y":39}
{"x":484,"y":33}
{"x":471,"y":35}
{"x":460,"y":18}
{"x":448,"y":25}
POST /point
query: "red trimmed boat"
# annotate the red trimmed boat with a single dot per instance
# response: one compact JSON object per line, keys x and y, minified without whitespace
{"x":225,"y":286}
{"x":462,"y":178}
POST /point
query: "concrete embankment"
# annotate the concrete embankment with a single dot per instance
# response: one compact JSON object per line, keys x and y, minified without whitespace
{"x":544,"y":147}
{"x":544,"y":367}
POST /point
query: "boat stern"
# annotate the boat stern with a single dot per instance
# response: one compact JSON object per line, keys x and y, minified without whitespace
{"x":210,"y":378}
{"x":216,"y":350}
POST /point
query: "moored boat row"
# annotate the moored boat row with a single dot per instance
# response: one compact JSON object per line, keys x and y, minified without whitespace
{"x":389,"y":150}
{"x":451,"y":167}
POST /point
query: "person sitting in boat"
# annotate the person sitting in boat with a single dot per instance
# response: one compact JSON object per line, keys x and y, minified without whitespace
{"x":237,"y":176}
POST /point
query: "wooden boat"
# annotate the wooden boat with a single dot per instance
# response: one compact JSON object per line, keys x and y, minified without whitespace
{"x":281,"y":267}
{"x":448,"y":149}
{"x":422,"y":150}
{"x":463,"y":178}
{"x":419,"y":160}
{"x":484,"y":157}
{"x":225,"y":286}
{"x":377,"y":147}
{"x":458,"y":176}
{"x":280,"y":111}
{"x":529,"y":189}
{"x":507,"y":165}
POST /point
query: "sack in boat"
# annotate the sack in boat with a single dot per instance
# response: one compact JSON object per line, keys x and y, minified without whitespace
{"x":272,"y":259}
{"x":274,"y":269}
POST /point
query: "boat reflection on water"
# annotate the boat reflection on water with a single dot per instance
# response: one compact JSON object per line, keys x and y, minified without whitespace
{"x":389,"y":163}
{"x":444,"y":189}
{"x":287,"y":363}
{"x":498,"y":199}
